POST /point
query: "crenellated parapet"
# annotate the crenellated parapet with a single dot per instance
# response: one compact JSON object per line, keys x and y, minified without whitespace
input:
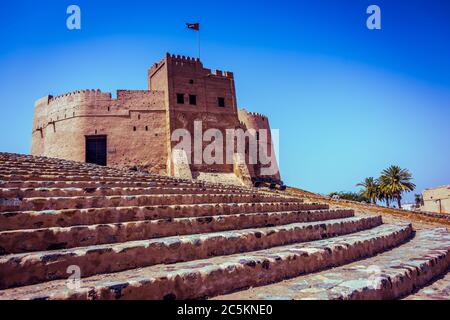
{"x":88,"y":93}
{"x":257,"y":114}
{"x":182,"y":59}
{"x":224,"y":74}
{"x":248,"y":116}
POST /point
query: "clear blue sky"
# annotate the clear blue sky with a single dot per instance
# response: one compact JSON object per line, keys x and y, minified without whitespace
{"x":348,"y":101}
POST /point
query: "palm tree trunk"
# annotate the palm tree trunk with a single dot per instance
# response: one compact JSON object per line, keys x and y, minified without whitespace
{"x":399,"y":201}
{"x":387,"y":202}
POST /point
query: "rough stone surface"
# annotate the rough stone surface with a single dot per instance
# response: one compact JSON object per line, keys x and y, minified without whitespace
{"x":438,"y":290}
{"x":389,"y":275}
{"x":143,"y":236}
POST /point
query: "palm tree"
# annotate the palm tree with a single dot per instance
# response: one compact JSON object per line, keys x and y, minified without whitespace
{"x":394,"y":181}
{"x":370,"y":190}
{"x":418,"y":199}
{"x":383,"y":196}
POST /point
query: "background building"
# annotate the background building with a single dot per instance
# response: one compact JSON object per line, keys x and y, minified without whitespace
{"x":437,"y":199}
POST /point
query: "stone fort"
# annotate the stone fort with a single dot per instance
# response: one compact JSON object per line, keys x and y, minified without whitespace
{"x":134,"y":129}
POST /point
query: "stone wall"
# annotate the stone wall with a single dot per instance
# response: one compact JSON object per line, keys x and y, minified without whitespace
{"x":134,"y":123}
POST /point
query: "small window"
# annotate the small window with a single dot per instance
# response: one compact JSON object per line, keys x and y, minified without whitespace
{"x":191,"y":81}
{"x":146,"y":128}
{"x":134,"y":128}
{"x":180,"y":98}
{"x":192,"y":99}
{"x":139,"y":117}
{"x":221,"y":102}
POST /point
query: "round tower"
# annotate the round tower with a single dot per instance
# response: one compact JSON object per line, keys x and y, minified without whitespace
{"x":266,"y":165}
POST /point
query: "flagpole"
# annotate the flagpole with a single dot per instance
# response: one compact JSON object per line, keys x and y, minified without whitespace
{"x":198,"y":44}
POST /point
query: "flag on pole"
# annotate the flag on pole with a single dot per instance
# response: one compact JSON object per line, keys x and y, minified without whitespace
{"x":193,"y":26}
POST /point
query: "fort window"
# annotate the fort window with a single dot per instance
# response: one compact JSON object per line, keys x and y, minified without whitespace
{"x":134,"y":128}
{"x":180,"y":98}
{"x":221,"y":102}
{"x":146,"y":128}
{"x":108,"y":108}
{"x":191,"y":81}
{"x":192,"y":99}
{"x":139,"y":117}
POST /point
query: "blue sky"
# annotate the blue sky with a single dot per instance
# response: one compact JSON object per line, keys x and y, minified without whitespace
{"x":348,"y":101}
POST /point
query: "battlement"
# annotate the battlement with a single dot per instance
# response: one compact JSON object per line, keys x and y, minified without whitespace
{"x":224,"y":74}
{"x":257,"y":114}
{"x":193,"y":63}
{"x":93,"y":94}
{"x":86,"y":92}
{"x":253,"y":114}
{"x":182,"y":59}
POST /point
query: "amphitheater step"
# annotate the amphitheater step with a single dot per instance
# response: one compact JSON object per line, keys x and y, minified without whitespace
{"x":23,"y":186}
{"x":22,"y":269}
{"x":19,"y":241}
{"x":390,"y":275}
{"x":60,"y":176}
{"x":221,"y":275}
{"x":58,"y":203}
{"x":108,"y":191}
{"x":438,"y":290}
{"x":89,"y":216}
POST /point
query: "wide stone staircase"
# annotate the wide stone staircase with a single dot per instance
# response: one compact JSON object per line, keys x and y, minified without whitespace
{"x":134,"y":235}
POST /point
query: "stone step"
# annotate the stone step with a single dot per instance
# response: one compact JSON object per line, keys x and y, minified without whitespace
{"x":8,"y":162}
{"x":224,"y":274}
{"x":90,"y":216}
{"x":437,"y":290}
{"x":112,"y":184}
{"x":57,"y":203}
{"x":12,"y":180}
{"x":60,"y":164}
{"x":111,"y":191}
{"x":390,"y":275}
{"x":70,"y":167}
{"x":29,"y":268}
{"x":116,"y":175}
{"x":20,"y":241}
{"x":60,"y":176}
{"x":49,"y":170}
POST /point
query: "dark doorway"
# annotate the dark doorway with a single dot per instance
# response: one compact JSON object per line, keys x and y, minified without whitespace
{"x":96,"y":150}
